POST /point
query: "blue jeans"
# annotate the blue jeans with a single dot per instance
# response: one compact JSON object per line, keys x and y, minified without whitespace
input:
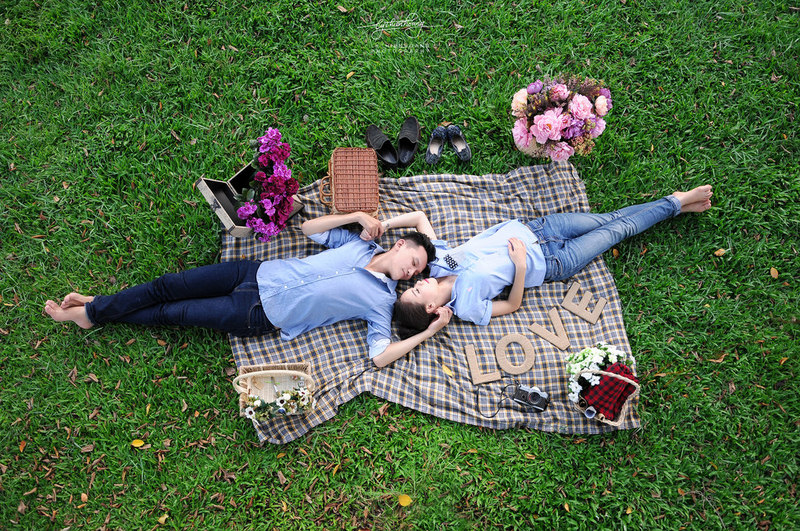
{"x":220,"y":296}
{"x":571,"y":240}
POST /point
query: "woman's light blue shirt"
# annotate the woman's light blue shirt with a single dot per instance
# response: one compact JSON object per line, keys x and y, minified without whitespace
{"x":484,"y":268}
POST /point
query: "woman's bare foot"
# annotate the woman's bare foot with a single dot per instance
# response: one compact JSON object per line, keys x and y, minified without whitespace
{"x":75,"y":299}
{"x":699,"y":206}
{"x":695,"y":200}
{"x":76,"y":314}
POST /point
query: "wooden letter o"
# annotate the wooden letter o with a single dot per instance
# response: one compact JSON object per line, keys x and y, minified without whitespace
{"x":501,"y":353}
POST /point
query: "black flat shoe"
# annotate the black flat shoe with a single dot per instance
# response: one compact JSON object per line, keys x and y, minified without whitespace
{"x":459,"y":143}
{"x":436,"y":145}
{"x":382,"y":146}
{"x":408,"y":141}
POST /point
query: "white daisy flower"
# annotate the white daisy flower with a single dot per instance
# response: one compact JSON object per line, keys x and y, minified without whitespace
{"x":250,"y":413}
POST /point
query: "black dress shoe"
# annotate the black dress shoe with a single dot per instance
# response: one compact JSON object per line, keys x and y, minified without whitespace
{"x":436,"y":145}
{"x":382,"y":146}
{"x":408,"y":141}
{"x":459,"y":143}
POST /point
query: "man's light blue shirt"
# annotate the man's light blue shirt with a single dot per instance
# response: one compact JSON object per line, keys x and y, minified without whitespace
{"x":484,"y":268}
{"x":299,"y":294}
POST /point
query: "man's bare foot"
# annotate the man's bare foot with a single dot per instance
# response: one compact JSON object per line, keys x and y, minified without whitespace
{"x":76,"y":314}
{"x":75,"y":299}
{"x":695,"y":200}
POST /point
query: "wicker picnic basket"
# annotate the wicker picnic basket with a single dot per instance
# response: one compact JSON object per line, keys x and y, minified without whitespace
{"x":268,"y":381}
{"x":352,"y":181}
{"x":626,"y":407}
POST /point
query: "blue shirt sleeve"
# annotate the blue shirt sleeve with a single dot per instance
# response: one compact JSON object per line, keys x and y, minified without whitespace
{"x":334,"y":237}
{"x":379,"y":329}
{"x":469,"y":303}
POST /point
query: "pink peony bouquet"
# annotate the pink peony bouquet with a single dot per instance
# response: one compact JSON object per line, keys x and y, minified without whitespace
{"x":559,"y":117}
{"x":266,"y":204}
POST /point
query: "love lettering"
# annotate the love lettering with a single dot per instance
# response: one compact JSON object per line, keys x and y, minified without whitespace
{"x":557,"y":337}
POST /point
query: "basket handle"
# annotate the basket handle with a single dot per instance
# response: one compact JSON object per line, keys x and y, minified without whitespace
{"x":615,"y":375}
{"x":250,"y":375}
{"x":325,"y":192}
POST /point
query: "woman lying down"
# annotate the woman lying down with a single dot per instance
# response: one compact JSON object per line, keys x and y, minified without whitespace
{"x":524,"y":254}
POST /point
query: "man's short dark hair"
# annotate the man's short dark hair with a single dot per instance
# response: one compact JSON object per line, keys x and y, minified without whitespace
{"x":411,"y":318}
{"x":423,"y":241}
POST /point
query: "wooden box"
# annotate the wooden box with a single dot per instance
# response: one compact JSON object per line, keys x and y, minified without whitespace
{"x":221,"y":196}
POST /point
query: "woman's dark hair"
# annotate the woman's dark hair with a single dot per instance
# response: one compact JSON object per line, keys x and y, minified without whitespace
{"x":411,"y":318}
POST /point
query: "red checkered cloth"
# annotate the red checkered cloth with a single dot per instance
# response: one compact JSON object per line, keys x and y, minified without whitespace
{"x":610,"y":394}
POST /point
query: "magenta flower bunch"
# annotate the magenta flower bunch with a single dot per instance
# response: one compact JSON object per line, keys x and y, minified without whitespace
{"x":266,"y":204}
{"x":559,"y":117}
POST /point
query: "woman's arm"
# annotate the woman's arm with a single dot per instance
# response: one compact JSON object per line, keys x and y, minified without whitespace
{"x":516,"y":251}
{"x":372,"y":227}
{"x":398,"y":349}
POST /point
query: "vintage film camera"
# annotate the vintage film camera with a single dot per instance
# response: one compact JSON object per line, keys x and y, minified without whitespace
{"x":531,"y":397}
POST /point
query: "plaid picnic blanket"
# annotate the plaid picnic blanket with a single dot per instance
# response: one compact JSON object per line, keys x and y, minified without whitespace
{"x":435,"y":377}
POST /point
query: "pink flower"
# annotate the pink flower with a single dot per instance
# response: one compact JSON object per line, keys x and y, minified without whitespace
{"x":264,"y":160}
{"x":560,"y":151}
{"x":519,"y":103}
{"x":548,"y":126}
{"x":521,"y":133}
{"x":260,"y":176}
{"x":269,"y":208}
{"x":559,"y":92}
{"x":281,"y":170}
{"x":246,"y":210}
{"x":580,"y":107}
{"x":271,"y":136}
{"x":601,"y":105}
{"x":599,"y":127}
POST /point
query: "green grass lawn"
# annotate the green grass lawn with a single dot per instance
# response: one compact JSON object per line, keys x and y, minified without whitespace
{"x":110,"y":112}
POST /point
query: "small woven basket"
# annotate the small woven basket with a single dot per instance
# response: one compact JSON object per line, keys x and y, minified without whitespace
{"x":352,"y":182}
{"x":626,"y":407}
{"x":268,"y":381}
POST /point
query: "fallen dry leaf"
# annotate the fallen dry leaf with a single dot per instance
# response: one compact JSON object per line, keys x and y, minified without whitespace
{"x":720,"y":359}
{"x":84,"y":497}
{"x":163,"y":519}
{"x":615,"y":252}
{"x":404,"y":500}
{"x":88,"y":448}
{"x":349,"y":75}
{"x":566,"y":506}
{"x":629,"y":510}
{"x":447,"y":370}
{"x":783,"y":360}
{"x":281,"y":478}
{"x":719,"y":252}
{"x":342,"y":9}
{"x":137,"y":443}
{"x":773,"y":272}
{"x":22,"y":445}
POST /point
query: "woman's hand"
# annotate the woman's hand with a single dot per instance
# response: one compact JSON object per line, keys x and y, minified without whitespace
{"x":444,"y":314}
{"x":516,"y":251}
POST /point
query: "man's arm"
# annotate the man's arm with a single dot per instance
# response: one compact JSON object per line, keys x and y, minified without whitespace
{"x":372,"y":226}
{"x":416,"y":220}
{"x":398,"y":349}
{"x":516,"y":251}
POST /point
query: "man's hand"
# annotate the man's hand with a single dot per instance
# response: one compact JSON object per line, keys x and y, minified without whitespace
{"x":516,"y":251}
{"x":373,"y":229}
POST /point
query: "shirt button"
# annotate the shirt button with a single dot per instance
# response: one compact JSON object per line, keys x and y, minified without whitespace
{"x":302,"y":282}
{"x":337,"y":272}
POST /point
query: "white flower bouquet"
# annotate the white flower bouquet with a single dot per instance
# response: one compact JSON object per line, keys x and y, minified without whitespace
{"x":596,"y":358}
{"x":296,"y":401}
